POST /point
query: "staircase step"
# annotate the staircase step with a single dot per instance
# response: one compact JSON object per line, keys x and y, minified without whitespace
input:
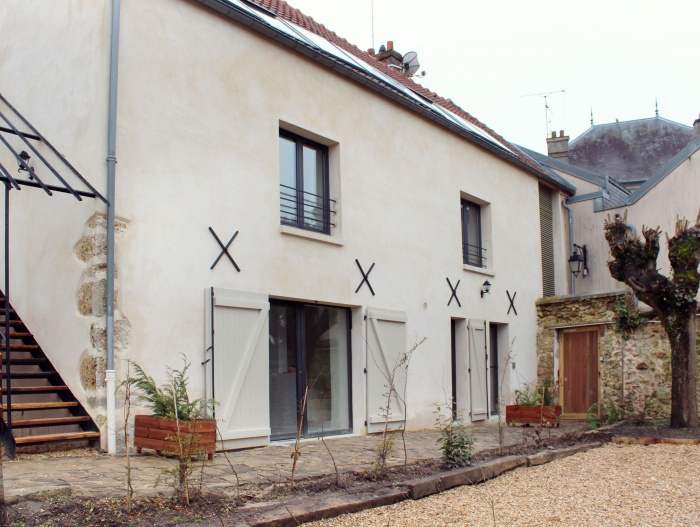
{"x":32,"y":374}
{"x":23,"y":407}
{"x":53,"y":438}
{"x":21,"y":347}
{"x":17,"y":334}
{"x":50,"y":421}
{"x":36,"y":389}
{"x":25,"y":362}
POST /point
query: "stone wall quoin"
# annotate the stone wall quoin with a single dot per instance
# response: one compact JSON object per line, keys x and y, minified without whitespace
{"x":635,"y":368}
{"x":91,"y":298}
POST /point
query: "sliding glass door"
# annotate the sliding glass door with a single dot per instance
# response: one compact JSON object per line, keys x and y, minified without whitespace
{"x":309,"y":358}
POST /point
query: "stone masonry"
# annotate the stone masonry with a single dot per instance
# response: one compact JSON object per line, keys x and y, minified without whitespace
{"x":91,"y":251}
{"x":635,"y":371}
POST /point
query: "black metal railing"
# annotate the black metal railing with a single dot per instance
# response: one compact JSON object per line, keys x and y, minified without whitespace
{"x":306,"y":210}
{"x":473,"y":255}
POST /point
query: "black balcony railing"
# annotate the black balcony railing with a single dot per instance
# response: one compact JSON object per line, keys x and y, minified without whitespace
{"x":306,"y":210}
{"x":473,"y":255}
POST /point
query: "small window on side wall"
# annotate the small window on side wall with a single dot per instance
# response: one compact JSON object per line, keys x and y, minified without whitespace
{"x":304,"y":195}
{"x":472,"y":249}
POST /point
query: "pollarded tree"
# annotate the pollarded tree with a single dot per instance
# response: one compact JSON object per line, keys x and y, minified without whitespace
{"x":673,"y":300}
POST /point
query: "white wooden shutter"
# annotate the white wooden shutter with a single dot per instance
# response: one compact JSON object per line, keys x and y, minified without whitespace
{"x":386,"y":344}
{"x":477,"y":369}
{"x":238,"y":366}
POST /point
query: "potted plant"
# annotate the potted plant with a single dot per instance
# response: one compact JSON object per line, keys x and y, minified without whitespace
{"x":177,"y":425}
{"x":534,"y":407}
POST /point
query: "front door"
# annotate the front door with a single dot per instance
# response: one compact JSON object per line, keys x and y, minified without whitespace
{"x":309,"y":359}
{"x":579,"y":371}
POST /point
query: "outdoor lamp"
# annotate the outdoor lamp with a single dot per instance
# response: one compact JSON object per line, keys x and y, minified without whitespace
{"x":485,"y":288}
{"x":577,"y":262}
{"x":24,"y":156}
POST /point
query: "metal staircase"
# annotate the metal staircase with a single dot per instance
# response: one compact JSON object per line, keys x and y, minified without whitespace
{"x":38,"y":407}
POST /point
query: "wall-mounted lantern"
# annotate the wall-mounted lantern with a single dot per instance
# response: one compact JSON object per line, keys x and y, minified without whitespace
{"x":578,"y":261}
{"x":485,"y":288}
{"x":25,"y":157}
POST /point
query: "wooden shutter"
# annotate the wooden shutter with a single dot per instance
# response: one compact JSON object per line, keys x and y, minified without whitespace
{"x":237,"y":369}
{"x":478,"y":369}
{"x":386,"y":345}
{"x":547,"y":241}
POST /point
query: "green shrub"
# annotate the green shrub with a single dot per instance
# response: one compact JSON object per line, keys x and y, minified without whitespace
{"x":628,"y":316}
{"x":528,"y":396}
{"x":611,"y":414}
{"x":456,"y":440}
{"x":171,"y":399}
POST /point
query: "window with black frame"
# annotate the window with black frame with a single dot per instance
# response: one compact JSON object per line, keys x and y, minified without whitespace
{"x":304,"y":195}
{"x":472,"y":251}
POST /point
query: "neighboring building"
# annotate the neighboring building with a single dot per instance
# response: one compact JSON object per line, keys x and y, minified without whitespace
{"x":579,"y":345}
{"x":365,"y":213}
{"x":629,"y":151}
{"x":671,"y":192}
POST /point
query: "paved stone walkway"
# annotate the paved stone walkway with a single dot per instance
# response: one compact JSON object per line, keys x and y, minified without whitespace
{"x":104,"y":475}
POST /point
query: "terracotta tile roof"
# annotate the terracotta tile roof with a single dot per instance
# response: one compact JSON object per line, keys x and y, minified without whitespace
{"x":283,"y":10}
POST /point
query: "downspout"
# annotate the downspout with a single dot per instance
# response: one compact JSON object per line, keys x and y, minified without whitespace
{"x":565,"y":204}
{"x":110,"y":374}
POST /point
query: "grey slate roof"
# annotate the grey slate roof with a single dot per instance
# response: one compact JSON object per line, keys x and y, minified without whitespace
{"x":611,"y":193}
{"x":665,"y":170}
{"x":629,"y":150}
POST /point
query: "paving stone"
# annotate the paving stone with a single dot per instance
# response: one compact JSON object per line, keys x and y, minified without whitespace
{"x":104,"y":475}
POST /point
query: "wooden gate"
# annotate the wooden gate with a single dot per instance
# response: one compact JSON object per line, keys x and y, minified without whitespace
{"x":579,"y":371}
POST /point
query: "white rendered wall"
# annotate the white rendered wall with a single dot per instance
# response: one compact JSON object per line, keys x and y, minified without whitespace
{"x":200,"y":104}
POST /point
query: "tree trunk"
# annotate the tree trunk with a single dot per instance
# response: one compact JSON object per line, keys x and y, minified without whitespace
{"x":684,"y":376}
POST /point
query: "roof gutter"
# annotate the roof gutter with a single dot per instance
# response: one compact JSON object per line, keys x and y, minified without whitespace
{"x":366,"y":80}
{"x":110,"y":374}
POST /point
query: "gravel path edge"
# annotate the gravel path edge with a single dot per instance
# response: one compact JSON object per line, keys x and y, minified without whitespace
{"x":295,"y":512}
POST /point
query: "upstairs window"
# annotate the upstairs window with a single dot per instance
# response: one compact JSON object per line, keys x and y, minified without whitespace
{"x":304,"y":196}
{"x":472,"y":250}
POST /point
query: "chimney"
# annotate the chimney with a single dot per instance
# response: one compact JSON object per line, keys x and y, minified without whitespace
{"x":696,"y":127}
{"x":558,"y":147}
{"x":388,"y":55}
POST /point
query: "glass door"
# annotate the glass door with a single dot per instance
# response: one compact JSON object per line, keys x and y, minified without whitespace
{"x":309,"y":350}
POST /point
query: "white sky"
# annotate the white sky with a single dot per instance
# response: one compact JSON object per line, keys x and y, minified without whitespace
{"x":614,"y":56}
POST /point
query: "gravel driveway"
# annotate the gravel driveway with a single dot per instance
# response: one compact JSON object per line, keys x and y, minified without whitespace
{"x":615,"y":485}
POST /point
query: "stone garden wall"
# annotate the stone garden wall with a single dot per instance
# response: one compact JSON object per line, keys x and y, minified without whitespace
{"x":635,"y":367}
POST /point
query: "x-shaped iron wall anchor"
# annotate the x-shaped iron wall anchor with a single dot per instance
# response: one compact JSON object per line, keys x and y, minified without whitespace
{"x":224,"y":250}
{"x":365,"y":277}
{"x":454,"y":292}
{"x":512,"y":303}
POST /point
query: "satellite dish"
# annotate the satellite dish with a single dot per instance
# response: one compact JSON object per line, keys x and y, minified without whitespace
{"x":410,"y":63}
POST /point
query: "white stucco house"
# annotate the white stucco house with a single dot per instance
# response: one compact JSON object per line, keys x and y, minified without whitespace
{"x":289,"y":213}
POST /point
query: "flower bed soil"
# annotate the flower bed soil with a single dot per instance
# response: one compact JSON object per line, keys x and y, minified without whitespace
{"x":235,"y":508}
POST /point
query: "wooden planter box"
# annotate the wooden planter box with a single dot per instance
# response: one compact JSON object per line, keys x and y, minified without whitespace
{"x":548,"y":415}
{"x":159,"y":434}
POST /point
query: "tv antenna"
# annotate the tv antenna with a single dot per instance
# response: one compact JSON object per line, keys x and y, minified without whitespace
{"x":547,"y":109}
